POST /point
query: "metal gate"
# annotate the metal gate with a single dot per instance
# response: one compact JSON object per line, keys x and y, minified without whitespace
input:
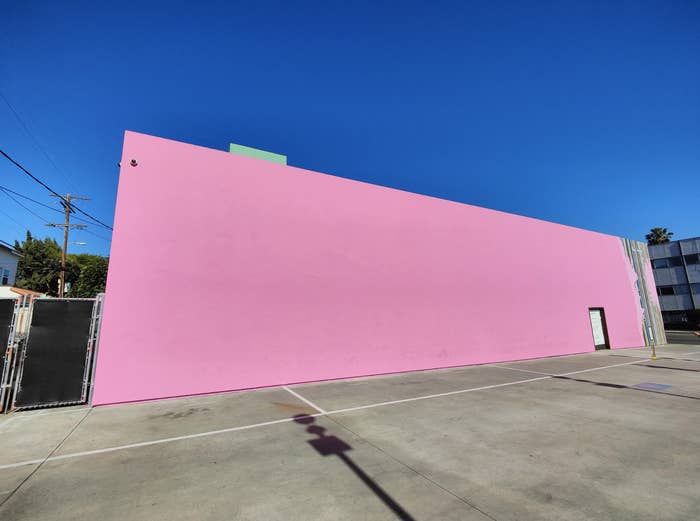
{"x":12,"y":338}
{"x":7,"y":317}
{"x":50,"y":360}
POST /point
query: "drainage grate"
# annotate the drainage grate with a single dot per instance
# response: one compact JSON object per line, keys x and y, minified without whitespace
{"x":652,"y":386}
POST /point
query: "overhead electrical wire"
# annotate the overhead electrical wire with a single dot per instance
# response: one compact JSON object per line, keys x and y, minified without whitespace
{"x":8,"y":191}
{"x":72,"y":206}
{"x":48,"y":158}
{"x":5,"y":189}
{"x":14,"y":220}
{"x":96,"y":235}
{"x":35,"y":140}
{"x":28,"y":209}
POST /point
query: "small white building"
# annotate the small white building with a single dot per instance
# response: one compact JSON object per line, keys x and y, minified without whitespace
{"x":8,"y":264}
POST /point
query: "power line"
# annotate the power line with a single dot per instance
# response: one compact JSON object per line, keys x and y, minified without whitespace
{"x":5,"y":189}
{"x":36,"y":141}
{"x":98,"y":236}
{"x":51,"y":190}
{"x":28,"y":209}
{"x":15,"y":220}
{"x":7,"y":192}
{"x":30,"y":174}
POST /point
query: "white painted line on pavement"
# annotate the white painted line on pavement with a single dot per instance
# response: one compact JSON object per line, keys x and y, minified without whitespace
{"x":604,"y":367}
{"x":307,"y":402}
{"x":147,"y":443}
{"x":522,"y":370}
{"x":244,"y":427}
{"x":286,"y":420}
{"x":450,"y":393}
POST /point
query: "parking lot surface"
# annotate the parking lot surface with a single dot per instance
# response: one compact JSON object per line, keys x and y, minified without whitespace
{"x":610,"y":435}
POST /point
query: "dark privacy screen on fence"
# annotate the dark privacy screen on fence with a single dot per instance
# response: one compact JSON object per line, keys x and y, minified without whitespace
{"x":7,"y":308}
{"x":54,"y":366}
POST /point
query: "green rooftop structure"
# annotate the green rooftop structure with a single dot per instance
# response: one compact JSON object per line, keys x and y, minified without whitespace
{"x":257,"y":154}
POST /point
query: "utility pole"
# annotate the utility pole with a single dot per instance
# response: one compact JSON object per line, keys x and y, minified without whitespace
{"x":65,"y":202}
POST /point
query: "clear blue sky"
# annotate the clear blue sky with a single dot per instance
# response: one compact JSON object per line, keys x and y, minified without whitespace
{"x":583,"y":113}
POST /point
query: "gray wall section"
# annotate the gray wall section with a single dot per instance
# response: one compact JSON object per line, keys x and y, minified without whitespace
{"x":691,"y":245}
{"x":680,"y":275}
{"x":660,"y":251}
{"x":669,"y":276}
{"x":652,"y":324}
{"x":694,"y":273}
{"x":675,"y":302}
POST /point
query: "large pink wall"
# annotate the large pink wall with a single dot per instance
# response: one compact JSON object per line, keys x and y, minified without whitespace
{"x":228,"y":272}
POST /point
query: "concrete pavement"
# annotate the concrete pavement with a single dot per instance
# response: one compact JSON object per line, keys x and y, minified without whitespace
{"x":605,"y":435}
{"x":683,"y":337}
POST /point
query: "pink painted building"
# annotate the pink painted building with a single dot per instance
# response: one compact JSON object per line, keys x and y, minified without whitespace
{"x":261,"y":274}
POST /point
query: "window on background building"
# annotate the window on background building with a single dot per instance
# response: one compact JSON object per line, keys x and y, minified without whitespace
{"x":668,"y":262}
{"x":695,"y":288}
{"x":5,"y":277}
{"x":693,"y":258}
{"x":681,"y":289}
{"x":674,"y":316}
{"x":665,"y":290}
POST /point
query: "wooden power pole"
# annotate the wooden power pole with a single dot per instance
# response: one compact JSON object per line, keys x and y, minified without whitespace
{"x":65,"y":202}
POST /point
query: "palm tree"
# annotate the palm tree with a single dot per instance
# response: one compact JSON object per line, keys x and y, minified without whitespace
{"x":659,"y":236}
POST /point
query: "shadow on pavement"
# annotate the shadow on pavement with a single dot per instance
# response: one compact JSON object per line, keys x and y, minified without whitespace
{"x":671,"y":368}
{"x":621,"y":386}
{"x":333,"y":446}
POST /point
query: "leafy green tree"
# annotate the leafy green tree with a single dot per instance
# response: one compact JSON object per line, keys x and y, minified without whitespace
{"x":39,"y":269}
{"x":40,"y":265}
{"x":90,"y":275}
{"x":659,"y":236}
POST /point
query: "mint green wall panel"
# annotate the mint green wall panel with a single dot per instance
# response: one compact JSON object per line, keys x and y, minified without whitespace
{"x":257,"y":154}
